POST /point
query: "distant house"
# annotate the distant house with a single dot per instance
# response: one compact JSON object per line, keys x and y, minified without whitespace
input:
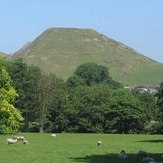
{"x":153,"y":89}
{"x":142,"y":89}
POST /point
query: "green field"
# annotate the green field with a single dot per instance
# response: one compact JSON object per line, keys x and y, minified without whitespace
{"x":66,"y":148}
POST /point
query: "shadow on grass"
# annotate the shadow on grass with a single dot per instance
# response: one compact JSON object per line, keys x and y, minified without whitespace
{"x":113,"y":158}
{"x":152,"y":141}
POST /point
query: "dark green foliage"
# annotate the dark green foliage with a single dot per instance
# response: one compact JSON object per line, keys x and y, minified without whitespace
{"x":75,"y":81}
{"x":113,"y":84}
{"x":148,"y":99}
{"x":50,"y":92}
{"x":84,"y":109}
{"x":160,"y":97}
{"x":126,"y":113}
{"x":92,"y":74}
{"x":25,"y":81}
{"x":149,"y":103}
{"x":89,"y":102}
{"x":160,"y":106}
{"x":93,"y":103}
{"x":33,"y":127}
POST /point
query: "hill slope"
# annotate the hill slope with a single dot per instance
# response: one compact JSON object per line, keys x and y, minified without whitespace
{"x":61,"y":50}
{"x":3,"y":54}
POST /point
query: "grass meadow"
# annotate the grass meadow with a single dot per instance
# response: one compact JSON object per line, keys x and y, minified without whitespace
{"x":69,"y":148}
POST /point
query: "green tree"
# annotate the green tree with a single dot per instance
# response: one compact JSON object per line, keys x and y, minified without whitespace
{"x":160,"y":106}
{"x":10,"y":117}
{"x":25,"y":81}
{"x":160,"y":97}
{"x":49,"y":92}
{"x":75,"y":81}
{"x":92,"y":74}
{"x":85,"y":107}
{"x":126,"y":113}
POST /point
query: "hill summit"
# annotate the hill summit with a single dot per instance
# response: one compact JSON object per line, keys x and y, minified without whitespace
{"x":62,"y":50}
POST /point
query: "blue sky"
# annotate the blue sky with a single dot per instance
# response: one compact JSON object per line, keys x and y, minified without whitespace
{"x":136,"y":23}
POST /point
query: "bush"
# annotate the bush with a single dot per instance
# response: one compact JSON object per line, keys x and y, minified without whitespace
{"x":152,"y":127}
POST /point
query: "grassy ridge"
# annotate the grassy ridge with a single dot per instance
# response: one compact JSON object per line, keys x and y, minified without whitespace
{"x":3,"y":54}
{"x":62,"y":50}
{"x":80,"y":148}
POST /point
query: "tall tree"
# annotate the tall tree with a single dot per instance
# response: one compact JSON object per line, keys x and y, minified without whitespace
{"x":10,"y":117}
{"x":126,"y":113}
{"x":84,"y":109}
{"x":49,"y":90}
{"x":149,"y":103}
{"x":25,"y":81}
{"x":160,"y":106}
{"x":160,"y":97}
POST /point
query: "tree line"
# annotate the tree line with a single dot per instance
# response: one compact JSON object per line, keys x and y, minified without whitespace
{"x":89,"y":101}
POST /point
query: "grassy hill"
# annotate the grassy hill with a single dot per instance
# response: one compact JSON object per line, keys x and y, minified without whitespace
{"x":3,"y":54}
{"x":61,"y":50}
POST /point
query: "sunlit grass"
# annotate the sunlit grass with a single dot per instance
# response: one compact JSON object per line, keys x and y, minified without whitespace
{"x":66,"y":148}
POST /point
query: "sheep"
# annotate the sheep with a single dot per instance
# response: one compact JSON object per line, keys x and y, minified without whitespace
{"x":19,"y":137}
{"x":142,"y":154}
{"x":122,"y":155}
{"x":25,"y":141}
{"x":148,"y":159}
{"x":53,"y":135}
{"x":153,"y":161}
{"x":11,"y":141}
{"x":99,"y":143}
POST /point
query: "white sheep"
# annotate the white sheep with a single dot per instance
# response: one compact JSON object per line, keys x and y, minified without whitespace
{"x":25,"y":141}
{"x":53,"y":135}
{"x":11,"y":141}
{"x":122,"y":155}
{"x":99,"y":143}
{"x":147,"y":159}
{"x":19,"y":137}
